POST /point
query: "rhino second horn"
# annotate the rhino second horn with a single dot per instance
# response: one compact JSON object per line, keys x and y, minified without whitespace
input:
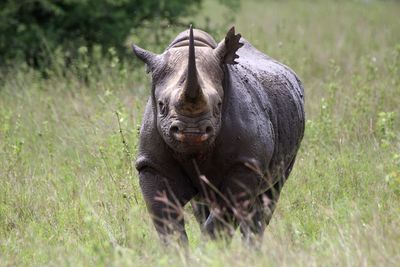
{"x":192,"y":87}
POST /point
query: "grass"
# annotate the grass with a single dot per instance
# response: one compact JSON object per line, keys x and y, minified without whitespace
{"x":69,"y":193}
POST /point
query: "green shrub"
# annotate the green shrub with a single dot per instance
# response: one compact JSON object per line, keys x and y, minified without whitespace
{"x":30,"y":30}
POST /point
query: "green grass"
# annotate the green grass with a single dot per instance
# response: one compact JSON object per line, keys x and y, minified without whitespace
{"x":69,"y":193}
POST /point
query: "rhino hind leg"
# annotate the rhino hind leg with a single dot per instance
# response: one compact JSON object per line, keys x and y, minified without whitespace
{"x":235,"y":205}
{"x":200,"y":210}
{"x":263,"y":210}
{"x":270,"y":198}
{"x":253,"y":230}
{"x":269,"y":201}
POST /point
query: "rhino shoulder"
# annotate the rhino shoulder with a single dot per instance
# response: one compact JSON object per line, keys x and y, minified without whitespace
{"x":267,"y":70}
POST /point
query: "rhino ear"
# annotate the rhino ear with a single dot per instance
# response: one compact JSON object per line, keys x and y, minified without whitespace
{"x":227,"y":48}
{"x":150,"y":59}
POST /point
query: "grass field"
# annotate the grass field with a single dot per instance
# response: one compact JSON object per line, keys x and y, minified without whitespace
{"x":69,"y":193}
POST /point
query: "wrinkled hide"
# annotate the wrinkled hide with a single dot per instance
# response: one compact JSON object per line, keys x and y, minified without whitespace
{"x":248,"y":108}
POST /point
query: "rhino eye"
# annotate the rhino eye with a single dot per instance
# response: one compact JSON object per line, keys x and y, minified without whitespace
{"x":217,"y":110}
{"x":161,"y":107}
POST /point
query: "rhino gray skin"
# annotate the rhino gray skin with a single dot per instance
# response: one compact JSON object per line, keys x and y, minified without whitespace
{"x":221,"y":129}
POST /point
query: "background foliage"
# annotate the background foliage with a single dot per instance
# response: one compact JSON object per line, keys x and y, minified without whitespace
{"x":69,"y":193}
{"x":33,"y":29}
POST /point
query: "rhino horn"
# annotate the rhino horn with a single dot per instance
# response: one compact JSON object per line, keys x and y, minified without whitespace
{"x":192,"y":89}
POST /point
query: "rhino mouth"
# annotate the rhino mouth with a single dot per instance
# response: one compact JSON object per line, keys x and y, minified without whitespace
{"x":188,"y":135}
{"x":192,"y":136}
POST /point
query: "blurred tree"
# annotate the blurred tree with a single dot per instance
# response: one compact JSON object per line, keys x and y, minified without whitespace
{"x":31,"y":29}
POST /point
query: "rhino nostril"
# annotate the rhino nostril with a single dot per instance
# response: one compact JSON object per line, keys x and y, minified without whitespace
{"x":209,"y":129}
{"x":174,"y":129}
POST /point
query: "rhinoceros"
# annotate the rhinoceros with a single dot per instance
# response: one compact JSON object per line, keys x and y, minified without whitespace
{"x":221,"y":130}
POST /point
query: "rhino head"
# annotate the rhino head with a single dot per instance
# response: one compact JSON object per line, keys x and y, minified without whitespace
{"x":187,"y":88}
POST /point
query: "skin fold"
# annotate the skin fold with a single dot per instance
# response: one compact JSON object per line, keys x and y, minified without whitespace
{"x":221,"y":130}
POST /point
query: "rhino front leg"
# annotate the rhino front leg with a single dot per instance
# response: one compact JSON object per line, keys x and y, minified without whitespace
{"x":165,"y":199}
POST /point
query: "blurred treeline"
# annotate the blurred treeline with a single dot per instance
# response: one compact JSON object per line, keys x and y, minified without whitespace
{"x":33,"y":30}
